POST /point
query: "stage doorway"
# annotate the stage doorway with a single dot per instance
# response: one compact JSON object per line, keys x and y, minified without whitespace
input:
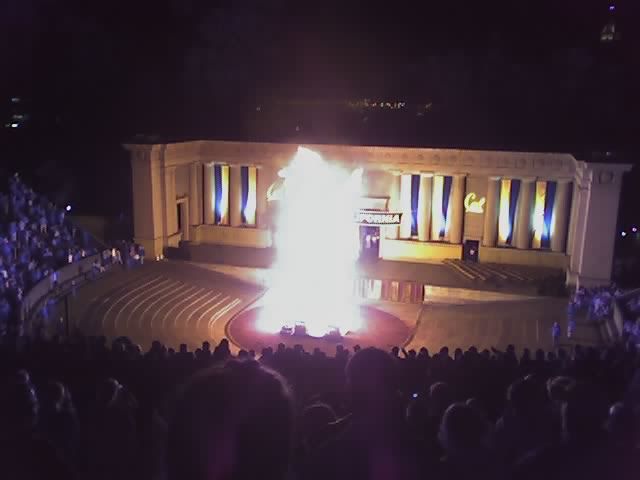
{"x":369,"y":243}
{"x":182,"y":217}
{"x":470,"y":250}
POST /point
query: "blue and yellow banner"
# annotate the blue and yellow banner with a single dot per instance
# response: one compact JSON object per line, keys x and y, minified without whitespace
{"x":415,"y":195}
{"x":542,"y":212}
{"x":509,"y":197}
{"x":221,"y":194}
{"x":447,"y":185}
{"x":248,"y":179}
{"x":441,"y":206}
{"x":437,"y":217}
{"x":504,"y":226}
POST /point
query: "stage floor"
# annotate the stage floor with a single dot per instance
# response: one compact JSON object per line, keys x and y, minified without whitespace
{"x":177,"y":302}
{"x":379,"y":329}
{"x":478,"y":276}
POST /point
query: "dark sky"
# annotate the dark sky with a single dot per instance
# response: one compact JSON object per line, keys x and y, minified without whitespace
{"x":530,"y":74}
{"x":278,"y":42}
{"x":163,"y":66}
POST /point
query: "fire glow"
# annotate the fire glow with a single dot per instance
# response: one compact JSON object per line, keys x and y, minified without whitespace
{"x":317,"y":248}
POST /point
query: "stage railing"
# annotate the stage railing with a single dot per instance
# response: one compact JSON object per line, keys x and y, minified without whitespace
{"x":79,"y":272}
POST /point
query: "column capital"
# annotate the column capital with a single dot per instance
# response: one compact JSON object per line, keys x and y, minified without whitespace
{"x":459,"y":175}
{"x":395,"y":173}
{"x":557,"y":180}
{"x":426,"y":174}
{"x":528,"y":179}
{"x":564,"y":180}
{"x":494,"y":178}
{"x":170,"y":168}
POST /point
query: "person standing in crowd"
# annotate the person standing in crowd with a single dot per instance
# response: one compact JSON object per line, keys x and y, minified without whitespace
{"x":556,"y":332}
{"x":571,"y":327}
{"x":571,"y":321}
{"x":54,"y":280}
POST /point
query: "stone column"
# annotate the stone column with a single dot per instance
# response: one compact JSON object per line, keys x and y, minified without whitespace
{"x":209,"y":200}
{"x":560,"y":217}
{"x":573,"y":221}
{"x":490,"y":233}
{"x":195,"y":199}
{"x":147,"y":180}
{"x":394,"y":203}
{"x":424,"y":206}
{"x":523,"y":233}
{"x":170,"y":200}
{"x":457,"y":210}
{"x":235,"y":195}
{"x":405,"y":206}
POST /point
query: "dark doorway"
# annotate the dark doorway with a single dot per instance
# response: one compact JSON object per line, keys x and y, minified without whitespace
{"x":369,"y":243}
{"x":470,"y":250}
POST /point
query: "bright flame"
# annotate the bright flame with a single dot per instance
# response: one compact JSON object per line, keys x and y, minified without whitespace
{"x":317,"y":245}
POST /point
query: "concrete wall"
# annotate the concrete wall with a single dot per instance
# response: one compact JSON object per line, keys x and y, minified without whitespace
{"x":377,"y":183}
{"x":533,"y":258}
{"x":470,"y":294}
{"x":182,"y":181}
{"x":148,"y":214}
{"x":238,"y":236}
{"x":414,"y":251}
{"x":600,"y":226}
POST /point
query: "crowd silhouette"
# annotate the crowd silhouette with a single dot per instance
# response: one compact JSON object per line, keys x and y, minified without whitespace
{"x":78,"y":408}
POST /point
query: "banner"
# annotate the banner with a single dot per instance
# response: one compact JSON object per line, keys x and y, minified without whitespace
{"x":377,"y":218}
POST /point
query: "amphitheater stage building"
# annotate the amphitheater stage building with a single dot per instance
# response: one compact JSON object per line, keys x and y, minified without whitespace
{"x":548,"y":210}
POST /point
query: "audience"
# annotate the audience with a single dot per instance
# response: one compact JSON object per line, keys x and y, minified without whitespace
{"x":596,"y":302}
{"x":36,"y":240}
{"x":75,"y":408}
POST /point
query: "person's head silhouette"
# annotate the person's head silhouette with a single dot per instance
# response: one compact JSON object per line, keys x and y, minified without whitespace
{"x":371,"y":375}
{"x":462,"y":431}
{"x":231,"y":422}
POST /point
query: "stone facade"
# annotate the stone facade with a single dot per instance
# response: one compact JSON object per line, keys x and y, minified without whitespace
{"x":173,"y":192}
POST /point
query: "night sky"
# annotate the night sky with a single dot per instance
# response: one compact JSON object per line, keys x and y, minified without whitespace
{"x":499,"y":74}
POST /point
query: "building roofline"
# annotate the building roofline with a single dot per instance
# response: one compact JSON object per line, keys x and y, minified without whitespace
{"x":199,"y":144}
